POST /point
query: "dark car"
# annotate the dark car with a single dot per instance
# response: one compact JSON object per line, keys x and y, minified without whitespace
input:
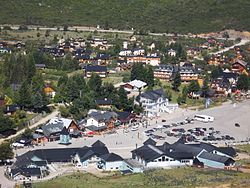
{"x":237,"y":125}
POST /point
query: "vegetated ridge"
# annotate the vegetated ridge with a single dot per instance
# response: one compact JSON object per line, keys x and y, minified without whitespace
{"x":181,"y":16}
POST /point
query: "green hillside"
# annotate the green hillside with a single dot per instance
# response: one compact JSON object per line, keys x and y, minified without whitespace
{"x":155,"y":15}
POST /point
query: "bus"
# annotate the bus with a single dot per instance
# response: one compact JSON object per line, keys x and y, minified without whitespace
{"x":204,"y":118}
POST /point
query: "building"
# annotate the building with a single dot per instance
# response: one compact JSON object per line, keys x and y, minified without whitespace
{"x":95,"y":69}
{"x":100,"y":120}
{"x":64,"y":136}
{"x":135,"y":85}
{"x":111,"y":162}
{"x":171,"y":53}
{"x":90,"y":155}
{"x":104,"y":103}
{"x":155,"y":102}
{"x":25,"y":174}
{"x":215,"y":161}
{"x":239,"y":66}
{"x":51,"y":131}
{"x":49,"y":91}
{"x":188,"y":73}
{"x":164,"y":72}
{"x":181,"y":154}
{"x":152,"y":156}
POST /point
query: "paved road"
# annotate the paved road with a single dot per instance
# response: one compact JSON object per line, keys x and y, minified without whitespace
{"x":41,"y":121}
{"x":91,"y":29}
{"x":241,"y":43}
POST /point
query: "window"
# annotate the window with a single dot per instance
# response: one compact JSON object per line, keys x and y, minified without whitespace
{"x":116,"y":167}
{"x":163,"y":158}
{"x":159,"y":160}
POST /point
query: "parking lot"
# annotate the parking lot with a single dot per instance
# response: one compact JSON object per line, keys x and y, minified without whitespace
{"x":222,"y":130}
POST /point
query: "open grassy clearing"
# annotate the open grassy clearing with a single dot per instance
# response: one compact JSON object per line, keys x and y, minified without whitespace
{"x":175,"y":178}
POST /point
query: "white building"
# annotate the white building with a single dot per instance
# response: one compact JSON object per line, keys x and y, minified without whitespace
{"x":171,"y":53}
{"x":111,"y":162}
{"x":155,"y":102}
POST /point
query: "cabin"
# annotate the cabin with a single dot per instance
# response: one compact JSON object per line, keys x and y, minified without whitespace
{"x":95,"y":69}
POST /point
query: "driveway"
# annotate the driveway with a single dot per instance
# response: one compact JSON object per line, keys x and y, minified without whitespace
{"x":41,"y":121}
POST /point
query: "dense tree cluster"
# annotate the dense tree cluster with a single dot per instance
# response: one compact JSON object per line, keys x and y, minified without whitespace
{"x":143,"y":73}
{"x":81,"y":95}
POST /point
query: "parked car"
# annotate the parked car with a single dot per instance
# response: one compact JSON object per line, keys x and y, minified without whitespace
{"x":237,"y":125}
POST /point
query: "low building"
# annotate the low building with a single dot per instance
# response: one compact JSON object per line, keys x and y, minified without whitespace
{"x":100,"y":120}
{"x":135,"y":85}
{"x":155,"y":102}
{"x":64,"y":137}
{"x":239,"y":66}
{"x":215,"y":161}
{"x":164,"y":72}
{"x":96,"y":69}
{"x":25,"y":174}
{"x":111,"y":162}
{"x":104,"y":103}
{"x":188,"y":74}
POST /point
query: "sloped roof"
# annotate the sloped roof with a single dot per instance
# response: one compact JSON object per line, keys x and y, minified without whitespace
{"x":150,"y":141}
{"x":153,"y":95}
{"x":137,"y":83}
{"x":95,"y":68}
{"x":64,"y":131}
{"x":26,"y":171}
{"x":98,"y":143}
{"x":214,"y":157}
{"x":227,"y":150}
{"x":111,"y":157}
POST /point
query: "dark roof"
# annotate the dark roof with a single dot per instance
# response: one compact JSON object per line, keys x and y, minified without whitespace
{"x":103,"y":101}
{"x":214,"y":157}
{"x":64,"y":131}
{"x":148,"y":152}
{"x":11,"y":108}
{"x":95,"y":128}
{"x":153,"y":95}
{"x":95,"y":68}
{"x":150,"y":141}
{"x":227,"y":150}
{"x":111,"y":157}
{"x":98,"y":143}
{"x":85,"y":153}
{"x":40,"y":65}
{"x":124,"y":116}
{"x":26,"y":171}
{"x":55,"y":155}
{"x":179,"y":147}
{"x":52,"y":128}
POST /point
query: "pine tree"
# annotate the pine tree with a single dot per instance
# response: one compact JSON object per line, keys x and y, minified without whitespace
{"x":176,"y":82}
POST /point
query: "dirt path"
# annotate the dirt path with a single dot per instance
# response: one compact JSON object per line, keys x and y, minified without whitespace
{"x":41,"y":121}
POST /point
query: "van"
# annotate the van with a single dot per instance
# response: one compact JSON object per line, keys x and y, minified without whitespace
{"x":204,"y":118}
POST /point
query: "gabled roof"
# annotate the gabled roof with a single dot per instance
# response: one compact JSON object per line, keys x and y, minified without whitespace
{"x":137,"y":83}
{"x":64,"y":131}
{"x":179,"y":147}
{"x":104,"y":101}
{"x":95,"y":68}
{"x":26,"y":171}
{"x":50,"y":128}
{"x":111,"y":157}
{"x":149,"y":141}
{"x":227,"y":150}
{"x":102,"y":115}
{"x":241,"y":62}
{"x":153,"y":95}
{"x":98,"y":143}
{"x":66,"y":122}
{"x":214,"y":157}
